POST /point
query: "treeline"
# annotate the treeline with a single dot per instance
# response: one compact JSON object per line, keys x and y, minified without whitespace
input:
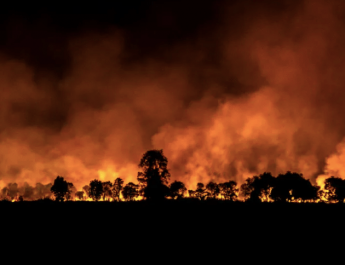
{"x":15,"y":192}
{"x":288,"y":187}
{"x":153,"y":184}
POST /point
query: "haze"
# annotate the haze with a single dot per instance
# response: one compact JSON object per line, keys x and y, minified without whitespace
{"x":227,"y":90}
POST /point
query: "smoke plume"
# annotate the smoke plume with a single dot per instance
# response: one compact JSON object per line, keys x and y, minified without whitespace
{"x":227,"y":90}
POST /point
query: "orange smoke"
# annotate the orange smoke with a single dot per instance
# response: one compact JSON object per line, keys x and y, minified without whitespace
{"x":258,"y":92}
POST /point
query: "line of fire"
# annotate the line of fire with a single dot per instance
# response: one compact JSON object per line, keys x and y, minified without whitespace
{"x":153,"y":185}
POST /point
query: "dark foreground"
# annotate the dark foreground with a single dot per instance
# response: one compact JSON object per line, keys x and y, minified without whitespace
{"x":172,"y":213}
{"x":188,"y":226}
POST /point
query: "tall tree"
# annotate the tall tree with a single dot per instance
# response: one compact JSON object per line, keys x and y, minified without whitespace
{"x":130,"y":191}
{"x":117,"y":188}
{"x":177,"y":189}
{"x":61,"y":189}
{"x":154,"y":175}
{"x":96,"y":189}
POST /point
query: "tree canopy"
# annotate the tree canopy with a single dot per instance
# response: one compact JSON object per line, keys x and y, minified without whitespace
{"x":61,"y":189}
{"x":96,"y":189}
{"x":154,"y":175}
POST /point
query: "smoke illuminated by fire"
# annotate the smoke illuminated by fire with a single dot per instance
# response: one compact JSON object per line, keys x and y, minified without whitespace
{"x":261,"y":91}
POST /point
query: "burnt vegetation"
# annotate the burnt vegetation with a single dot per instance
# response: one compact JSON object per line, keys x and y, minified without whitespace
{"x":153,"y":185}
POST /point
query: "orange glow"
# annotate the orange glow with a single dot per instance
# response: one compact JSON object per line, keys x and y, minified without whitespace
{"x":272,"y":101}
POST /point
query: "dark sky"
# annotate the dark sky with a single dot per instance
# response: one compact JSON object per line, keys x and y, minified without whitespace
{"x":40,"y":35}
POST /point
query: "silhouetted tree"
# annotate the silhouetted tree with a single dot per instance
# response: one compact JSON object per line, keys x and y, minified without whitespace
{"x":177,"y":189}
{"x":200,"y":191}
{"x":61,"y":188}
{"x":247,"y":188}
{"x":304,"y":191}
{"x":229,"y":190}
{"x":130,"y":191}
{"x":71,"y":191}
{"x":117,"y":188}
{"x":154,"y":175}
{"x":292,"y":186}
{"x":212,"y":189}
{"x":281,"y":191}
{"x":335,"y":189}
{"x":258,"y":188}
{"x":96,"y":189}
{"x":107,"y":190}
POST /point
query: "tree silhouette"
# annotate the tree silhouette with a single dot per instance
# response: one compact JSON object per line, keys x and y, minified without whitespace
{"x":107,"y":190}
{"x":283,"y":186}
{"x":177,"y":189}
{"x":96,"y":189}
{"x":213,"y":189}
{"x":229,"y":190}
{"x":200,"y":191}
{"x":304,"y":191}
{"x":247,"y":188}
{"x":292,"y":186}
{"x":117,"y":188}
{"x":61,"y":189}
{"x":258,"y":188}
{"x":130,"y":191}
{"x":154,"y":175}
{"x":70,"y":192}
{"x":335,"y":189}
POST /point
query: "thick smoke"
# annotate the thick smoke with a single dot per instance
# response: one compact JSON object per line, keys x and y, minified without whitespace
{"x":254,"y":87}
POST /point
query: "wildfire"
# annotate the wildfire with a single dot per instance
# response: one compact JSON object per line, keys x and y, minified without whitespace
{"x":224,"y":106}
